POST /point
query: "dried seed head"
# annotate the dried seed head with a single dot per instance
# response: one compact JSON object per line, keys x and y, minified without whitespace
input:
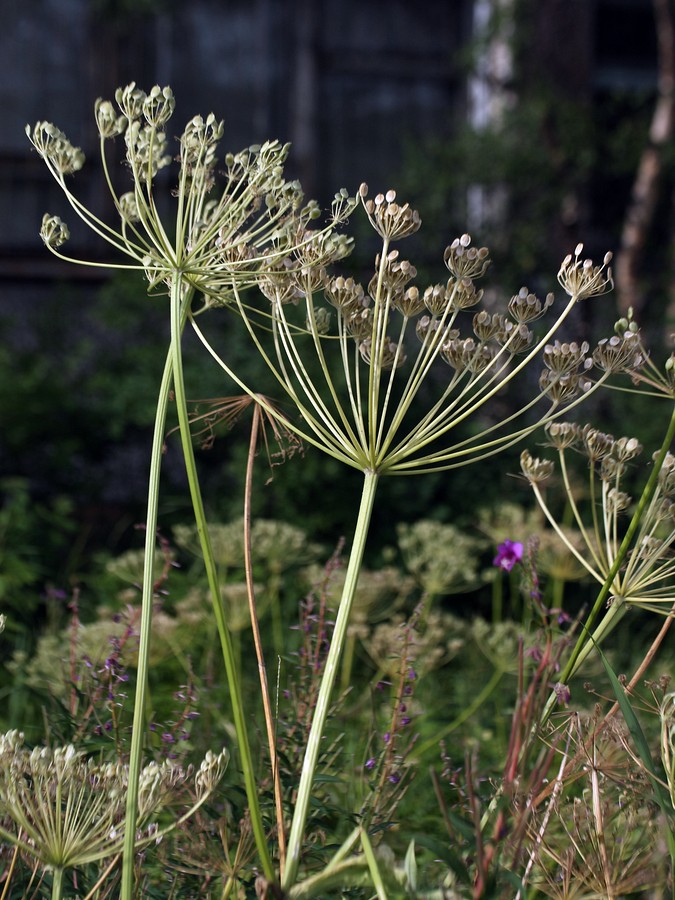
{"x":462,"y":294}
{"x":395,"y":276}
{"x":198,"y":147}
{"x":619,"y":353}
{"x":617,"y":501}
{"x":597,"y":445}
{"x":321,"y":321}
{"x":427,"y":327}
{"x":666,"y":510}
{"x":389,"y":219}
{"x":210,"y":772}
{"x":317,"y":249}
{"x":580,"y":278}
{"x":392,"y":353}
{"x":526,"y":307}
{"x":486,"y":326}
{"x":562,"y":435}
{"x":465,"y":261}
{"x":36,"y":786}
{"x":467,"y":355}
{"x":562,"y":388}
{"x":563,"y":358}
{"x":670,"y":371}
{"x":359,"y":323}
{"x":626,"y":448}
{"x":457,"y":353}
{"x":667,"y":475}
{"x":482,"y":358}
{"x":278,"y":283}
{"x":346,"y":294}
{"x":436,"y":299}
{"x":535,"y":470}
{"x":409,"y":303}
{"x":515,"y":338}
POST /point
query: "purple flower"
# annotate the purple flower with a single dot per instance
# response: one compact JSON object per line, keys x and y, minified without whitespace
{"x":562,"y":693}
{"x":508,"y":554}
{"x":370,"y":764}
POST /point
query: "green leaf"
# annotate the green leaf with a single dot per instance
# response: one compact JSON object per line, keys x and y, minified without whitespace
{"x":639,"y":738}
{"x":642,"y":747}
{"x":410,"y":867}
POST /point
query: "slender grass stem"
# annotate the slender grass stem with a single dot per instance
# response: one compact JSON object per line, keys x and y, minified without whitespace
{"x":138,"y":727}
{"x":328,"y":680}
{"x":181,"y":296}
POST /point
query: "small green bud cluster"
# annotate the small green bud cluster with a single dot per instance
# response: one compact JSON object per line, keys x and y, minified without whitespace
{"x":108,"y":122}
{"x":53,"y":232}
{"x":55,"y":148}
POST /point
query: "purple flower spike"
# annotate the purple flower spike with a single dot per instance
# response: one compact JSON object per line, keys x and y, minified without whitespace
{"x":508,"y":554}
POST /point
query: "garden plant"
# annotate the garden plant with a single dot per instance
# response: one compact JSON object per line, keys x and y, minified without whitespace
{"x":328,"y":715}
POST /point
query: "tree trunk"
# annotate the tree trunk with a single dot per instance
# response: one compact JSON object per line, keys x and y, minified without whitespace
{"x":647,"y":184}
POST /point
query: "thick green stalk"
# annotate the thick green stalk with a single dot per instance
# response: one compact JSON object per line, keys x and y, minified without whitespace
{"x":57,"y":883}
{"x":328,"y":680}
{"x":138,"y":728}
{"x":181,"y":295}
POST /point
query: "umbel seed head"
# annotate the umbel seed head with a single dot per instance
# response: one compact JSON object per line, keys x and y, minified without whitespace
{"x":390,"y":219}
{"x":535,"y":470}
{"x":581,"y":279}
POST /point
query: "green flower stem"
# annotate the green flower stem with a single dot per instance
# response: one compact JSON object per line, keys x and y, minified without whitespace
{"x":138,"y":728}
{"x":179,"y":316}
{"x":57,"y":883}
{"x":181,"y":296}
{"x":328,"y":680}
{"x":646,"y":498}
